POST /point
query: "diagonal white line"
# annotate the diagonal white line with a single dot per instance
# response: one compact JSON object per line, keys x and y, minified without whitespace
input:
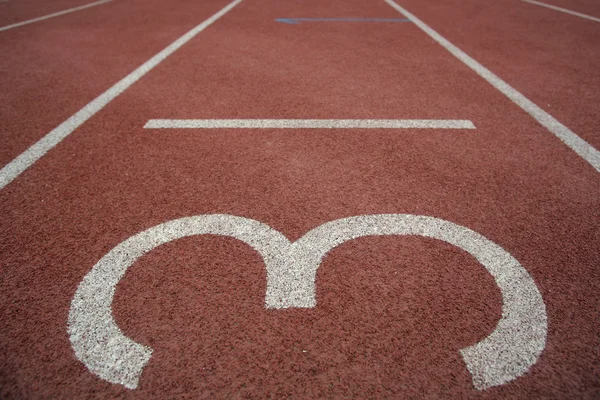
{"x":563,"y":10}
{"x":13,"y":169}
{"x":56,"y":14}
{"x":570,"y":138}
{"x":310,"y":123}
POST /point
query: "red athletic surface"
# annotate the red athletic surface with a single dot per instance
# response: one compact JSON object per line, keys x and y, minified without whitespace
{"x":57,"y":66}
{"x":549,"y":56}
{"x":18,"y":11}
{"x":392,"y":313}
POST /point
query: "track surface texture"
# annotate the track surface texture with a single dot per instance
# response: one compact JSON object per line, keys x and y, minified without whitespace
{"x":212,"y":260}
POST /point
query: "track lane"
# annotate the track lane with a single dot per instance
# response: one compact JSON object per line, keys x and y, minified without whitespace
{"x":550,"y":57}
{"x":112,"y":179}
{"x":15,"y":11}
{"x":589,"y":7}
{"x":53,"y":70}
{"x":564,"y":10}
{"x":53,"y":15}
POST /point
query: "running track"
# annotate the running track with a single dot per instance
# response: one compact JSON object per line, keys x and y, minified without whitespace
{"x":411,"y":245}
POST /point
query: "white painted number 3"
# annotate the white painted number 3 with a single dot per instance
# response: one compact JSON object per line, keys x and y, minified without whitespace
{"x":507,"y":353}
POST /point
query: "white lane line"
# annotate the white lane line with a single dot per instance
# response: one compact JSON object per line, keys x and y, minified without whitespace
{"x":577,"y":14}
{"x":570,"y":138}
{"x":310,"y":123}
{"x":56,"y":14}
{"x":13,"y":169}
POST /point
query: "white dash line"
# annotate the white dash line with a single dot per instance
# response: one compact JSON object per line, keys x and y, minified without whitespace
{"x":567,"y":136}
{"x":56,"y":14}
{"x":26,"y":159}
{"x":309,"y":123}
{"x":577,"y":14}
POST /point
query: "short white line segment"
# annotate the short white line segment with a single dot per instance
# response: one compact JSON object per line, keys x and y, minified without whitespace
{"x":570,"y":138}
{"x":310,"y":123}
{"x":13,"y":169}
{"x":56,"y":14}
{"x":577,"y":14}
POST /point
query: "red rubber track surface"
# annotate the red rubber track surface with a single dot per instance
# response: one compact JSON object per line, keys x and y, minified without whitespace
{"x":51,"y":72}
{"x":392,"y":313}
{"x":549,"y":56}
{"x":589,"y":7}
{"x":18,"y":11}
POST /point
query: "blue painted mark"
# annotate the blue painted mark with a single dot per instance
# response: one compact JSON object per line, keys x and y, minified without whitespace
{"x":296,"y":21}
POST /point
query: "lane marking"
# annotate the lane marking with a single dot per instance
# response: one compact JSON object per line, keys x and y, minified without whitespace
{"x":577,"y":14}
{"x":56,"y":14}
{"x":26,"y":159}
{"x":507,"y":353}
{"x":567,"y":136}
{"x":296,"y":21}
{"x":309,"y":123}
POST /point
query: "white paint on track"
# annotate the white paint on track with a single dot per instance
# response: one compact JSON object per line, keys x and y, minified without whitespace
{"x":577,"y":14}
{"x":56,"y":14}
{"x":567,"y":136}
{"x":507,"y":353}
{"x":310,"y":123}
{"x":26,"y":159}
